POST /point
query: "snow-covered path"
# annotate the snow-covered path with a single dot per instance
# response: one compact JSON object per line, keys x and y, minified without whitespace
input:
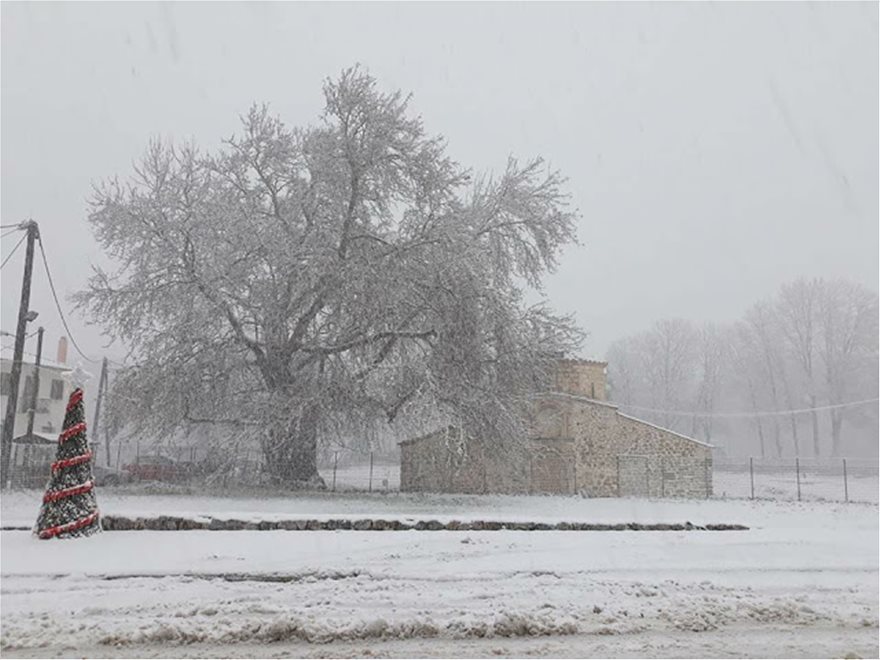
{"x":809,"y":569}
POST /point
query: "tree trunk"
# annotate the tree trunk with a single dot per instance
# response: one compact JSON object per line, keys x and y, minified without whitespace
{"x":291,"y":451}
{"x":777,"y":437}
{"x":815,"y":426}
{"x":836,"y":425}
{"x":757,"y":418}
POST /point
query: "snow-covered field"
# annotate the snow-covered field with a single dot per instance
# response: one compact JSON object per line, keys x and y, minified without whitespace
{"x":782,"y":484}
{"x":802,"y":582}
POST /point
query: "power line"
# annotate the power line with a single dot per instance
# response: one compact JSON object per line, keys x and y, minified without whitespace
{"x":767,"y":413}
{"x":9,"y":256}
{"x":27,"y":336}
{"x":16,"y":226}
{"x":7,"y":233}
{"x":58,"y":304}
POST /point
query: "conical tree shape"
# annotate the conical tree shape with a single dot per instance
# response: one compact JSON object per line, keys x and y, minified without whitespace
{"x":69,"y":506}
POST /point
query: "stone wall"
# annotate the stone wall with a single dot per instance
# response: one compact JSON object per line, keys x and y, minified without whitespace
{"x":579,"y":445}
{"x":552,"y":466}
{"x":617,"y":455}
{"x":449,"y":462}
{"x":582,"y":378}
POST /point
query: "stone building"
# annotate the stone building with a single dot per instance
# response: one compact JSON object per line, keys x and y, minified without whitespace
{"x":579,"y":444}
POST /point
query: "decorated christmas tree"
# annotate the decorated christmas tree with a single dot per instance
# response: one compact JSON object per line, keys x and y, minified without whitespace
{"x":69,"y":506}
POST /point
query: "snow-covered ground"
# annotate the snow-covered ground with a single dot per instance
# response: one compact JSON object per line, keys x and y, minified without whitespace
{"x":782,"y":484}
{"x":803,"y":581}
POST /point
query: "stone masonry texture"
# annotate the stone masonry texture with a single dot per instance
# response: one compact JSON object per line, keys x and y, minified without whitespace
{"x":579,"y":444}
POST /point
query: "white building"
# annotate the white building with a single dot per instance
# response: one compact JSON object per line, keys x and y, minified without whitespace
{"x":54,"y":390}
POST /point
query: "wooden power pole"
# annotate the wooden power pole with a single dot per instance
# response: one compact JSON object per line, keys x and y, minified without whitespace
{"x":36,"y":391}
{"x":15,"y":375}
{"x":102,"y":385}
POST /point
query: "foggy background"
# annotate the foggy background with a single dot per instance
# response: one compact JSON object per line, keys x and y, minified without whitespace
{"x":714,"y":150}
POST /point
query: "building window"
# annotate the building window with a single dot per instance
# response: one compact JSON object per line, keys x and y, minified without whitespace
{"x":43,"y":406}
{"x":5,"y":382}
{"x":57,"y":390}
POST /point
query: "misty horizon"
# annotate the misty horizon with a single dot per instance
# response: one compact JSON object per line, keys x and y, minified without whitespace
{"x":680,"y":218}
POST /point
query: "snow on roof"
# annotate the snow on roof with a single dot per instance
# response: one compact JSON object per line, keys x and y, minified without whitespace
{"x":583,"y":399}
{"x":29,"y":358}
{"x":660,"y":428}
{"x":575,"y":397}
{"x":37,"y":438}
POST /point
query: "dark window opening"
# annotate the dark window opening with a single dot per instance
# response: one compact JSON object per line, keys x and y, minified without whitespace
{"x":57,"y":390}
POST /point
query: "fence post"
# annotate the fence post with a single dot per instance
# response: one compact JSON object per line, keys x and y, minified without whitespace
{"x":335,"y":462}
{"x":845,"y":484}
{"x":647,"y":478}
{"x":370,"y":487}
{"x":752,"y":474}
{"x":797,"y":470}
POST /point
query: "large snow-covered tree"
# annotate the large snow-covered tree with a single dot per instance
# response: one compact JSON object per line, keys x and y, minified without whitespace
{"x":306,"y":279}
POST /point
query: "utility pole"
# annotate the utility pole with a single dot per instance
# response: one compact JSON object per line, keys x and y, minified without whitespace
{"x":102,"y":384}
{"x":35,"y":394}
{"x":15,"y":375}
{"x":28,"y":448}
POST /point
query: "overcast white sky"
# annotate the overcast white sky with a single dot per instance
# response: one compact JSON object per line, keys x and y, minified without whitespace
{"x":714,"y":150}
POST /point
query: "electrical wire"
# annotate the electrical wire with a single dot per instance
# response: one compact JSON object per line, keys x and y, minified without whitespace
{"x":16,"y":226}
{"x":7,"y":233}
{"x":58,"y":304}
{"x":768,"y":413}
{"x":9,"y":256}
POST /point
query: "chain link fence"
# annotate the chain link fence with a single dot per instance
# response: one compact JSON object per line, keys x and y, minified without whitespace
{"x":371,"y":473}
{"x":797,"y":479}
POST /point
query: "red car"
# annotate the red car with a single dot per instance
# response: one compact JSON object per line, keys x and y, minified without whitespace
{"x":155,"y":468}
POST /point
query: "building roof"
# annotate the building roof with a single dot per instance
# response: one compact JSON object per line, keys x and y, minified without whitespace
{"x":36,"y":438}
{"x":427,"y":436}
{"x":598,"y":363}
{"x":660,"y":428}
{"x":583,"y":399}
{"x":6,"y":355}
{"x":576,"y":397}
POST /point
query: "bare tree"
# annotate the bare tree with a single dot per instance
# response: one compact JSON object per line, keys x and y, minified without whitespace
{"x":656,"y":369}
{"x":847,"y":346}
{"x":761,"y":319}
{"x":744,"y":355}
{"x":625,"y":372}
{"x":711,"y":363}
{"x":798,"y":308}
{"x":301,"y":280}
{"x":670,"y":359}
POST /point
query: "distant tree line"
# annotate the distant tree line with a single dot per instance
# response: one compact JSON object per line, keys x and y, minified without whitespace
{"x":811,"y":347}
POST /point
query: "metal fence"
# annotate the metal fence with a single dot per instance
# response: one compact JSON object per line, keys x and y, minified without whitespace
{"x":797,"y":479}
{"x":369,"y":473}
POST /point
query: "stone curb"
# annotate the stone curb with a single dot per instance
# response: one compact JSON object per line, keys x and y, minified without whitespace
{"x":173,"y":523}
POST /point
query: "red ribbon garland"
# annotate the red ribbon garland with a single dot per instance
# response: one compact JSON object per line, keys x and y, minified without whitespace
{"x":68,"y":492}
{"x":69,"y":527}
{"x":68,"y":462}
{"x":75,"y":397}
{"x":66,"y":434}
